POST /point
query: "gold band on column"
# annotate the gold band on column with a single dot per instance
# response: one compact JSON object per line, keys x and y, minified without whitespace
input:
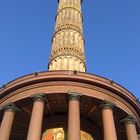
{"x":130,"y":126}
{"x":35,"y":127}
{"x":108,"y":121}
{"x":7,"y":121}
{"x":74,"y":116}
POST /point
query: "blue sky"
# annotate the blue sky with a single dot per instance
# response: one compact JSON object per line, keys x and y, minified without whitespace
{"x":111,"y":29}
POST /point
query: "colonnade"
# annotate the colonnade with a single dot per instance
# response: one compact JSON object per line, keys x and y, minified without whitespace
{"x":34,"y":131}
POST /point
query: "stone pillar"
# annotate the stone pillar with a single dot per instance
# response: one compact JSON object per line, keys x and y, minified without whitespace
{"x":35,"y":127}
{"x":74,"y":117}
{"x":7,"y":121}
{"x":130,"y":128}
{"x":108,"y":121}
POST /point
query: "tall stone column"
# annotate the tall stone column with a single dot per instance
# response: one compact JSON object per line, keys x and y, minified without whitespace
{"x":74,"y":117}
{"x":7,"y":121}
{"x":68,"y":40}
{"x":130,"y":128}
{"x":108,"y":121}
{"x":35,"y":127}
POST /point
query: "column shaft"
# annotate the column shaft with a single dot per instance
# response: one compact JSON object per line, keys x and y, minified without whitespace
{"x":34,"y":132}
{"x":6,"y":124}
{"x":131,"y":131}
{"x":108,"y":123}
{"x":74,"y":120}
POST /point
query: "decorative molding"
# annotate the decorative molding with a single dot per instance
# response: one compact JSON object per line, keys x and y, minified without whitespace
{"x":107,"y":105}
{"x":74,"y":96}
{"x":129,"y":120}
{"x":10,"y":107}
{"x":39,"y":97}
{"x":69,"y":51}
{"x":67,"y":27}
{"x":70,"y":7}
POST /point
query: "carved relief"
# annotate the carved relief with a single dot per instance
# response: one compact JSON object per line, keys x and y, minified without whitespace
{"x":72,"y":3}
{"x":69,"y":16}
{"x":68,"y":37}
{"x":67,"y":63}
{"x":68,"y":43}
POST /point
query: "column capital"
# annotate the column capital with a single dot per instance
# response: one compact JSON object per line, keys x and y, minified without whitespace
{"x":39,"y":97}
{"x":107,"y":105}
{"x":74,"y":96}
{"x":129,"y":120}
{"x":10,"y":107}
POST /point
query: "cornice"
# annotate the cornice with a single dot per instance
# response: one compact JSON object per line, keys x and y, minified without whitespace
{"x":80,"y":78}
{"x":68,"y":76}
